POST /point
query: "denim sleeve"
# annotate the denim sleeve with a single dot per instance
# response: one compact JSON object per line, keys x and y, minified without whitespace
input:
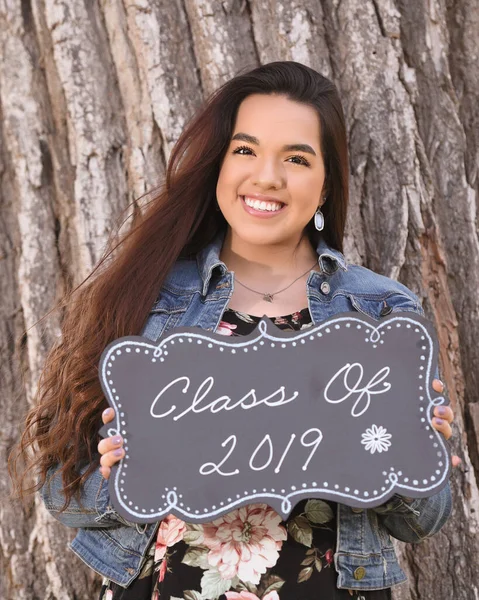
{"x":412,"y":520}
{"x":93,"y":508}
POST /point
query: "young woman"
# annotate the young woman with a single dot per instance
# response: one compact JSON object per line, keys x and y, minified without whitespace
{"x":250,"y":222}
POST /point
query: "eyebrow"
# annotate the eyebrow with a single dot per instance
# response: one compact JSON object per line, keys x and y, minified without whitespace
{"x":245,"y":137}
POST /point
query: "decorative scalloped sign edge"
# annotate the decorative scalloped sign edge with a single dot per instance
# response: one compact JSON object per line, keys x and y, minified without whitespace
{"x":175,"y":348}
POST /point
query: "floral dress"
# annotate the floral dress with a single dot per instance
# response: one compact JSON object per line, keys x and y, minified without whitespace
{"x":248,"y":553}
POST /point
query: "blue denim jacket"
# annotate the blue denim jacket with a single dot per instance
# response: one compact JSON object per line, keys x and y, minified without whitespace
{"x":196,"y":293}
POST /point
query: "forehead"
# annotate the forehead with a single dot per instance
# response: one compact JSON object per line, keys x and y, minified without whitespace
{"x":276,"y":118}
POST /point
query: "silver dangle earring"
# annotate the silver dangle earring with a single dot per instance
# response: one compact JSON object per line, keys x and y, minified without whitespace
{"x":319,"y":219}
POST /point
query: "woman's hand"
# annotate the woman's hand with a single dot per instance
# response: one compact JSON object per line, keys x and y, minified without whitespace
{"x":111,"y":448}
{"x":443,"y":417}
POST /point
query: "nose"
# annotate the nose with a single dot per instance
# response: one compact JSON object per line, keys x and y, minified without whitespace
{"x":268,"y":174}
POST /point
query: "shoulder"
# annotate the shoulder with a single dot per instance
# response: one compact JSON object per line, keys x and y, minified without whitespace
{"x":368,"y":287}
{"x":184,"y":277}
{"x":364,"y":281}
{"x":352,"y":280}
{"x":178,"y":288}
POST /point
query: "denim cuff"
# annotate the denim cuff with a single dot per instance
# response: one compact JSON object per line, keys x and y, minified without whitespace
{"x":110,"y":515}
{"x":399,"y":505}
{"x":106,"y":512}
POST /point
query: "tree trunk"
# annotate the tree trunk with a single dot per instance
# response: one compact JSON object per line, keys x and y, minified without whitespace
{"x":94,"y":93}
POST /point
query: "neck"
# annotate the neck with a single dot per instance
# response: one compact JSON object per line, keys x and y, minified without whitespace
{"x":254,"y":262}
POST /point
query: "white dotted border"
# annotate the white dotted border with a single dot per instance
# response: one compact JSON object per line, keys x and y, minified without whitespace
{"x":393,"y":480}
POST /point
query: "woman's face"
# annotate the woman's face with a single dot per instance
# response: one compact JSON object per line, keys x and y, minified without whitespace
{"x":272,"y":175}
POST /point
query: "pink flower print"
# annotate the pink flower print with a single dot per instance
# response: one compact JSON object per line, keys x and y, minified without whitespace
{"x":296,"y":317}
{"x":170,"y":532}
{"x":249,"y":596}
{"x":162,"y":571}
{"x":329,"y":556}
{"x":241,"y":596}
{"x":245,"y":542}
{"x":280,"y":321}
{"x":225,"y":328}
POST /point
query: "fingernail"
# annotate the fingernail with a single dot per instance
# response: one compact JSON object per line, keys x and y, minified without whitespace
{"x":439,"y":421}
{"x":442,"y":410}
{"x":117,"y":440}
{"x":118,"y":452}
{"x":107,"y":411}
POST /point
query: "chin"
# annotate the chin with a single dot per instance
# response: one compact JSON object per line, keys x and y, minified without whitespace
{"x":259,"y":237}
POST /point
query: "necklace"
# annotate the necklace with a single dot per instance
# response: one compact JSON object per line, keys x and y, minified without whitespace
{"x":269,"y":297}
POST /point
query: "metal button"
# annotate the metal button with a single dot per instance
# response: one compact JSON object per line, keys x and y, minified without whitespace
{"x":325,"y":287}
{"x":385,"y":310}
{"x":359,"y":573}
{"x":139,"y":528}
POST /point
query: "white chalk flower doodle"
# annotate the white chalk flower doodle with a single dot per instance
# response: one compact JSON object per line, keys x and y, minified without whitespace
{"x":376,"y":439}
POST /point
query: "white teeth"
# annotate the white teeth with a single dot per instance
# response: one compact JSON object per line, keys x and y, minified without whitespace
{"x":259,"y":205}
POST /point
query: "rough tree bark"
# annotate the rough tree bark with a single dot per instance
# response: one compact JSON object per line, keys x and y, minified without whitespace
{"x":94,"y":93}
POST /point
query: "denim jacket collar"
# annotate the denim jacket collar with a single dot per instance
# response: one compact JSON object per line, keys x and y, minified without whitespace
{"x":327,"y":254}
{"x":208,"y":260}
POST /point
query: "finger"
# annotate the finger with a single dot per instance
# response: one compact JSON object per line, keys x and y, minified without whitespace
{"x":107,"y":415}
{"x":109,"y":444}
{"x":456,"y":461}
{"x":111,"y":458}
{"x":438,"y":386}
{"x":105,"y":472}
{"x":444,"y":412}
{"x":442,"y":426}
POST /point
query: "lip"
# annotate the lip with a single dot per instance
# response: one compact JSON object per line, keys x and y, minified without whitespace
{"x":261,"y":213}
{"x":263,"y":198}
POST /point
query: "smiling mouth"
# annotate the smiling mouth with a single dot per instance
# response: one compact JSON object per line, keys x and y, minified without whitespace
{"x":262,"y":205}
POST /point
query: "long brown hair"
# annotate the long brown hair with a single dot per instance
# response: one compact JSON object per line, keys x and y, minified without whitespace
{"x":180,"y":219}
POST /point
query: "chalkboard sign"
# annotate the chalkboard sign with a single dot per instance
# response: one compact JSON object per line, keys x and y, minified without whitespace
{"x":340,"y":411}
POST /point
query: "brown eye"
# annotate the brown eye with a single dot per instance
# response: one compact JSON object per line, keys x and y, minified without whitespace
{"x":302,"y":160}
{"x":237,"y":150}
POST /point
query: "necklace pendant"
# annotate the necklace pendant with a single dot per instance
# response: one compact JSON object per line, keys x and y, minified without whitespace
{"x":268,"y":297}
